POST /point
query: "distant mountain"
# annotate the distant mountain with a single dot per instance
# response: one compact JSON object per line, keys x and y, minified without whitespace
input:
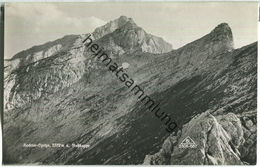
{"x":137,"y":39}
{"x":126,"y":35}
{"x":58,"y":92}
{"x":69,"y":50}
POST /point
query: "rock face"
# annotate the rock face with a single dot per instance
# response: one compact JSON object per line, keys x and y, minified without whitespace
{"x":110,"y":27}
{"x":59,"y":93}
{"x":38,"y":78}
{"x":46,"y":50}
{"x":219,"y":141}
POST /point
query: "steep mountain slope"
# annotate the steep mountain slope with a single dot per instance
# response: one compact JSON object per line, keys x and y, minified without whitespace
{"x":58,"y":64}
{"x":205,"y":86}
{"x":70,"y":97}
{"x":226,"y":133}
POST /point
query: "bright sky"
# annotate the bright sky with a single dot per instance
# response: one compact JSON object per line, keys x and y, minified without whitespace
{"x":29,"y":24}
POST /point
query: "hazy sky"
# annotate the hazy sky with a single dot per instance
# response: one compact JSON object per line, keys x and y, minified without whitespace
{"x":29,"y":24}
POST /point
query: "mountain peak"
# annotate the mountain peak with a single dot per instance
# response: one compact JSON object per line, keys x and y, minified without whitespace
{"x":127,"y":35}
{"x":223,"y":28}
{"x":223,"y":34}
{"x":123,"y":19}
{"x":112,"y":26}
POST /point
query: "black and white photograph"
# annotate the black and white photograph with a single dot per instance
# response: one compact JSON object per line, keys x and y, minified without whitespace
{"x":130,"y":83}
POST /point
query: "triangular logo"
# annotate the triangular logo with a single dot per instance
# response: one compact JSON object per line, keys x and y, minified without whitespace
{"x":187,"y":143}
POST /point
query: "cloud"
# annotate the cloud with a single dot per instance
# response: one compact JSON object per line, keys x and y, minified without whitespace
{"x":31,"y":24}
{"x":48,"y":16}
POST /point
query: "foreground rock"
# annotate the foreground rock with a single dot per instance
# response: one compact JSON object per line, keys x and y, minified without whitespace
{"x":220,"y":140}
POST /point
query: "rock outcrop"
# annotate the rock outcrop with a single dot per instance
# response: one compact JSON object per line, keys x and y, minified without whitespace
{"x":220,"y":140}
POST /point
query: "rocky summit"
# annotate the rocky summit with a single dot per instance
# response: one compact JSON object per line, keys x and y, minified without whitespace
{"x":59,"y":93}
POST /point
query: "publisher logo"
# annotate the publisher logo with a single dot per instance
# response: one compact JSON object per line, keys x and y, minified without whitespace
{"x":188,"y":143}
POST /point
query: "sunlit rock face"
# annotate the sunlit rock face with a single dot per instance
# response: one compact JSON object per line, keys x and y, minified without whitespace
{"x":128,"y":37}
{"x":125,"y":65}
{"x":46,"y":50}
{"x":42,"y":76}
{"x":110,"y":27}
{"x":58,"y":92}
